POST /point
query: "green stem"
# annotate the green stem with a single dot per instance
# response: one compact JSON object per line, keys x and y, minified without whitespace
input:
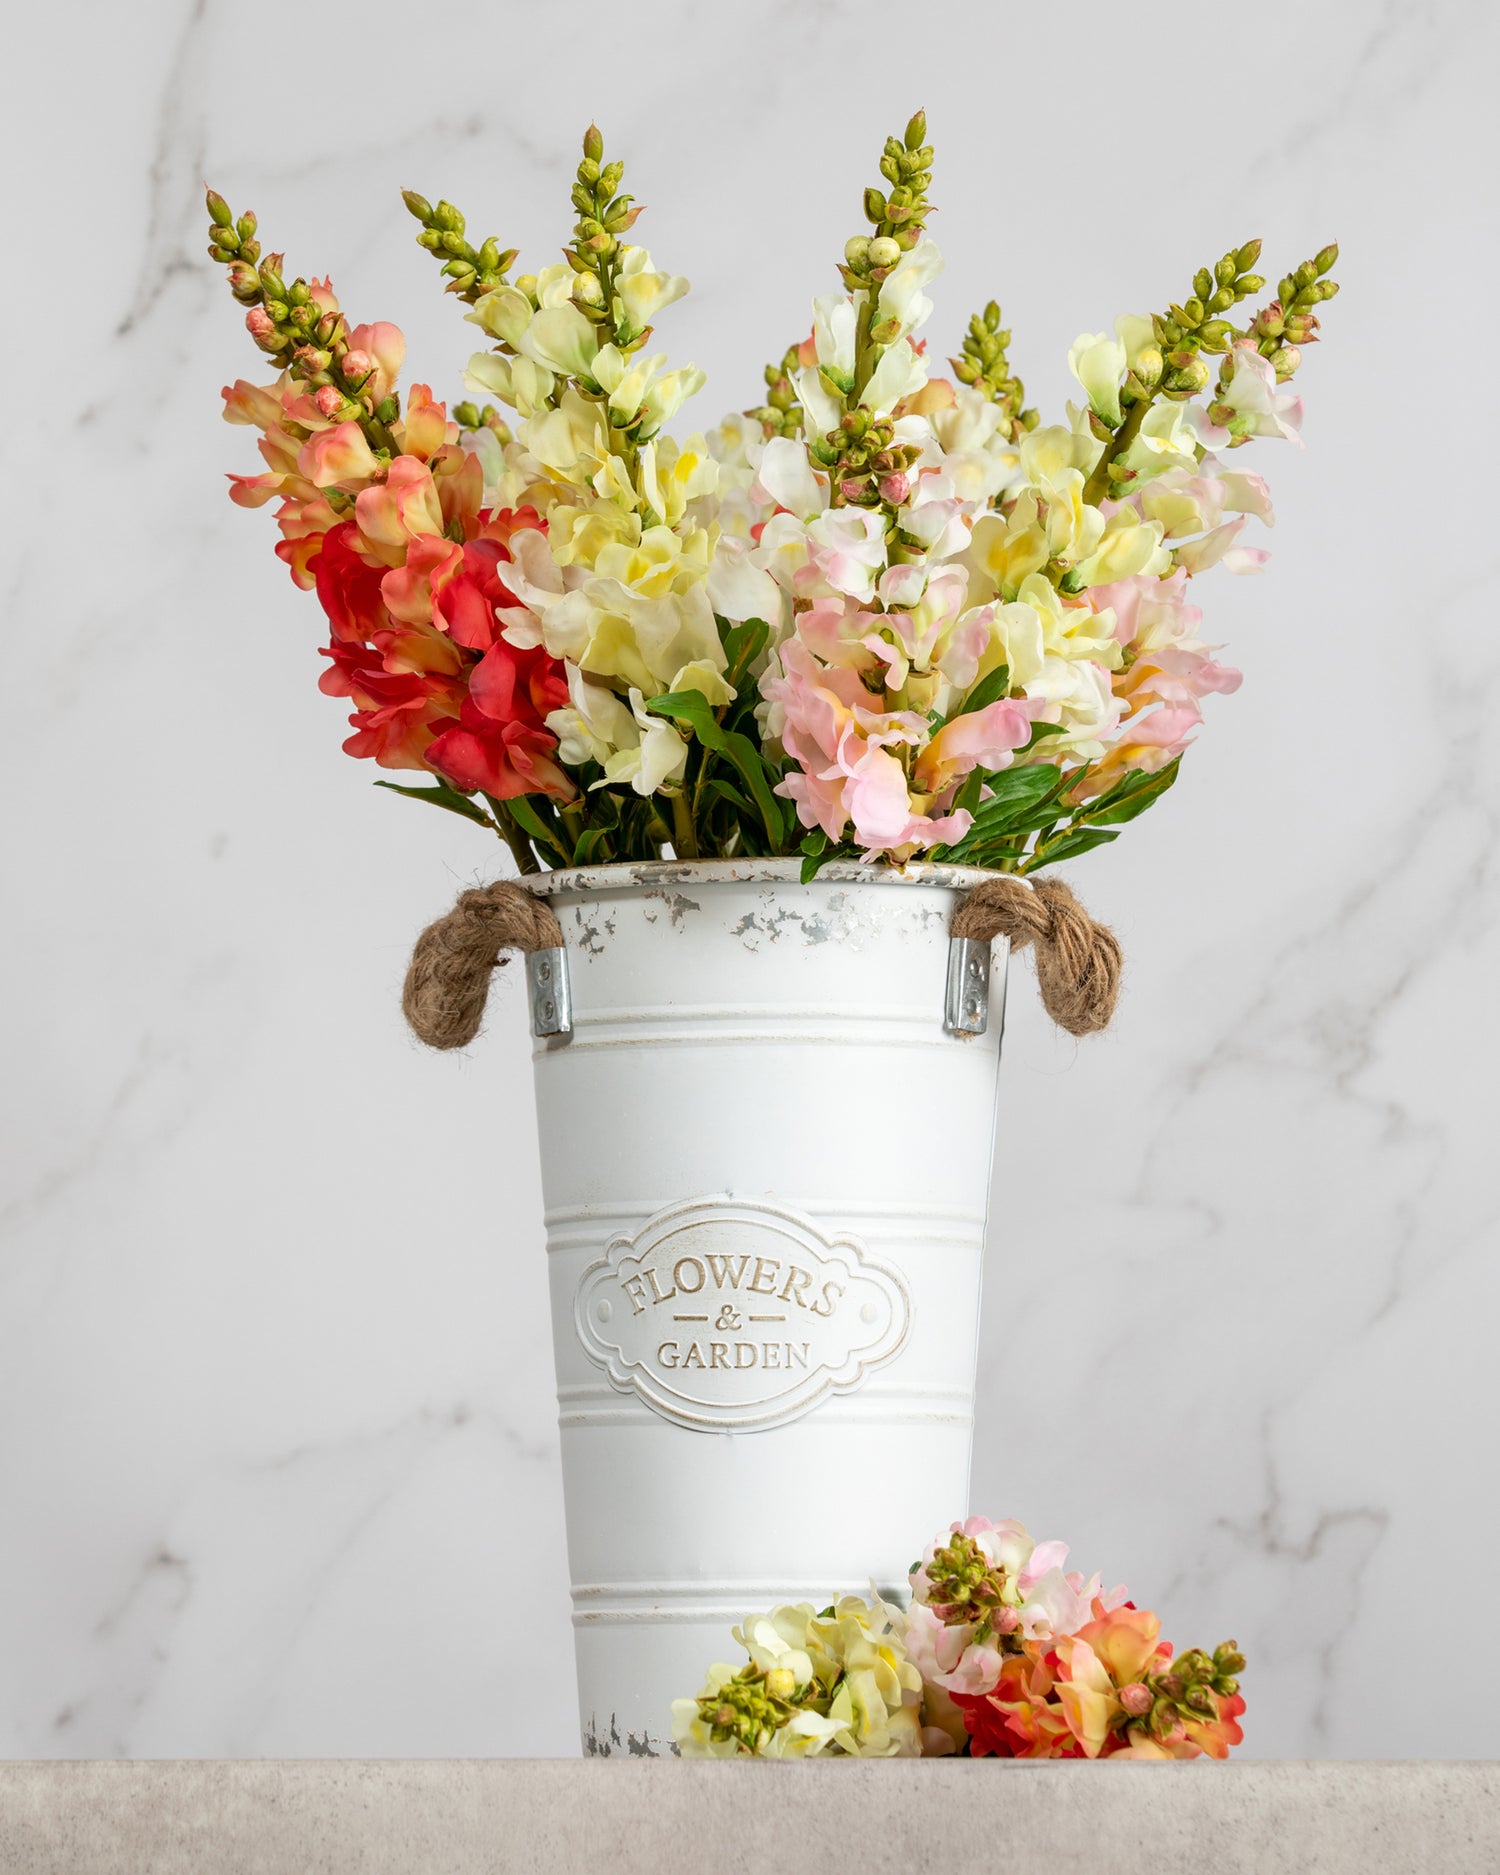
{"x":513,"y":837}
{"x":684,"y":836}
{"x":1098,"y":483}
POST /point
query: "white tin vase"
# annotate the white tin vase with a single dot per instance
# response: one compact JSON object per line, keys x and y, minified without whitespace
{"x":766,"y":1168}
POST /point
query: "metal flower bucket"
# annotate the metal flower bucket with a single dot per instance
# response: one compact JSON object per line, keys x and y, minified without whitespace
{"x":766,"y":1139}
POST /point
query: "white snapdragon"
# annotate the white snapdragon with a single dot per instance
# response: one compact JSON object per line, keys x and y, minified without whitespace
{"x":640,"y":291}
{"x":901,"y":292}
{"x":1097,"y":360}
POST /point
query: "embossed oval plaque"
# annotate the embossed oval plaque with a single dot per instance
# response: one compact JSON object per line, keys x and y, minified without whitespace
{"x":728,"y":1314}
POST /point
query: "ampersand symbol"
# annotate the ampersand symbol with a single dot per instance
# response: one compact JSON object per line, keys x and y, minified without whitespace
{"x":728,"y":1317}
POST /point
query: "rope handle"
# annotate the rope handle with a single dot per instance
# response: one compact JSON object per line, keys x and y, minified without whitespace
{"x":448,"y":981}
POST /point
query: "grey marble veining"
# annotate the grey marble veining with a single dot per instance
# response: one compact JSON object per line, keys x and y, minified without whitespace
{"x":278,"y":1469}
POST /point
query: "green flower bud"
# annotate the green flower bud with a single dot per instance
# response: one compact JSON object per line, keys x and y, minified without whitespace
{"x":1324,"y":259}
{"x":874,"y":206}
{"x":916,"y":131}
{"x":418,"y":205}
{"x":1248,"y":255}
{"x":1226,"y":270}
{"x":218,"y":210}
{"x":883,"y":251}
{"x":857,"y":252}
{"x":1203,"y":283}
{"x":593,"y":144}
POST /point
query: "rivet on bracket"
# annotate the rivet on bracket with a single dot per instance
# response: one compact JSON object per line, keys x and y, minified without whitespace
{"x":549,"y":992}
{"x":966,"y":1009}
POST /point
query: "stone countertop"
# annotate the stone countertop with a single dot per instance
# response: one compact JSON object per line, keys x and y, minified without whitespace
{"x":475,"y":1817}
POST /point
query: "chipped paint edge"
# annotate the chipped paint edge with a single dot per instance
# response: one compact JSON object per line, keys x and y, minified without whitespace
{"x":748,"y":872}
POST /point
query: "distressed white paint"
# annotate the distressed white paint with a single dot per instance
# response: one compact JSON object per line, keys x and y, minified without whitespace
{"x":765,"y":1344}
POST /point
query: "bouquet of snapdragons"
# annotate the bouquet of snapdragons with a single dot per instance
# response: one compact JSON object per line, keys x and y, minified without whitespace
{"x":1002,"y":1653}
{"x":886,"y":615}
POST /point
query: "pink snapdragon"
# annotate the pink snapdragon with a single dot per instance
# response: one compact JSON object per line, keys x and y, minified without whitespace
{"x":825,"y":719}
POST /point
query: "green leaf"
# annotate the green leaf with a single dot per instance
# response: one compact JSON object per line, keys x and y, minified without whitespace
{"x":990,"y":689}
{"x":727,"y":791}
{"x":692,"y":707}
{"x":1040,"y":731}
{"x":1018,"y":804}
{"x":1068,"y":846}
{"x":532,"y":825}
{"x":743,"y":644}
{"x":1129,"y":798}
{"x":1015,"y":791}
{"x":817,"y":850}
{"x":444,"y":796}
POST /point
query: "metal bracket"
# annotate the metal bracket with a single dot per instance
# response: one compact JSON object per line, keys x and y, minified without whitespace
{"x":550,"y":993}
{"x":966,"y":1007}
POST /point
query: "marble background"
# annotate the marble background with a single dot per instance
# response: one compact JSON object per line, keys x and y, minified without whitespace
{"x":278,"y":1466}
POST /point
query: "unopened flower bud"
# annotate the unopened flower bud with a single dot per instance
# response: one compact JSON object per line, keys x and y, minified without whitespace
{"x":781,"y":1683}
{"x":593,"y":144}
{"x":261,"y":327}
{"x":417,"y":204}
{"x":1189,"y":376}
{"x":1007,"y":1621}
{"x":329,"y":401}
{"x":1136,"y":1699}
{"x":895,"y":488}
{"x":883,"y":251}
{"x":1148,"y":367}
{"x":587,"y":290}
{"x":857,"y":252}
{"x":357,"y":366}
{"x":448,"y":219}
{"x":1285,"y":361}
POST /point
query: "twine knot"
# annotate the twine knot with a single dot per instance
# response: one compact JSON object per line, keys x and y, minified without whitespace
{"x":1077,"y":958}
{"x":448,"y":979}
